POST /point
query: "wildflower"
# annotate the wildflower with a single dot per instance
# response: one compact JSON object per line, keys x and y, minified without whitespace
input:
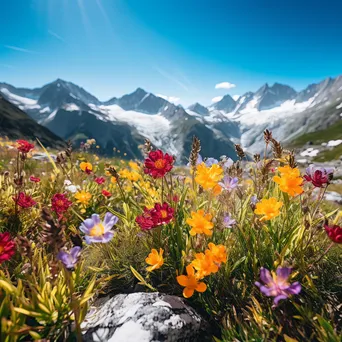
{"x":7,"y":247}
{"x":228,"y":222}
{"x":254,"y":199}
{"x":277,"y":285}
{"x":106,"y":193}
{"x":289,"y":181}
{"x":228,"y":163}
{"x":190,"y":282}
{"x":204,"y":264}
{"x":319,"y":176}
{"x":217,"y":190}
{"x":34,"y":179}
{"x":157,"y":164}
{"x":229,"y":183}
{"x":113,"y":180}
{"x":70,"y":259}
{"x":100,"y":180}
{"x":86,"y":167}
{"x":155,"y":259}
{"x":208,"y":177}
{"x":134,"y":166}
{"x":130,"y":175}
{"x":218,"y":252}
{"x":59,"y":203}
{"x":24,"y":201}
{"x":83,"y":197}
{"x":269,"y":208}
{"x":145,"y":221}
{"x":334,"y":233}
{"x":200,"y":223}
{"x":211,"y":161}
{"x":97,"y":230}
{"x":24,"y":146}
{"x":156,"y":216}
{"x":162,"y":214}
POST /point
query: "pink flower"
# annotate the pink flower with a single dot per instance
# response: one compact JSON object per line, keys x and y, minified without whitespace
{"x":100,"y":180}
{"x":34,"y":179}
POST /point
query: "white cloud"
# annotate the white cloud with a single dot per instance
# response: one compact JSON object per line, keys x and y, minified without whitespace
{"x":172,"y":99}
{"x":217,"y":99}
{"x":16,"y":48}
{"x":235,"y":97}
{"x":225,"y":85}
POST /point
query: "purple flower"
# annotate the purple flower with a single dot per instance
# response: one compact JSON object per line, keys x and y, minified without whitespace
{"x":254,"y":200}
{"x":319,"y":176}
{"x":228,"y":163}
{"x":198,"y":161}
{"x":97,"y":230}
{"x":69,"y":259}
{"x":211,"y":161}
{"x":228,"y":222}
{"x":277,"y":285}
{"x":229,"y":183}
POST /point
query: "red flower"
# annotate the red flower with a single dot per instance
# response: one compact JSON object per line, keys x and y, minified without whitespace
{"x":157,"y":164}
{"x":106,"y":193}
{"x":145,"y":221}
{"x":156,"y":216}
{"x":319,"y":176}
{"x":87,"y":171}
{"x":173,"y":198}
{"x":34,"y":179}
{"x":60,"y":204}
{"x":24,"y":146}
{"x":99,"y":180}
{"x":334,"y":233}
{"x":24,"y":201}
{"x":7,"y":247}
{"x":162,"y":213}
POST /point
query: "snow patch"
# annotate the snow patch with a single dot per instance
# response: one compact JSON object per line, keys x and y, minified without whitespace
{"x":333,"y":143}
{"x":310,"y":152}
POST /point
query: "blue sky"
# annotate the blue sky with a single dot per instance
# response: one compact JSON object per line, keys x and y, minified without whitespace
{"x":178,"y":48}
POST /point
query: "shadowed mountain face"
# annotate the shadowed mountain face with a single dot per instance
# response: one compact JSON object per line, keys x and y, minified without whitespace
{"x":72,"y":113}
{"x":15,"y":124}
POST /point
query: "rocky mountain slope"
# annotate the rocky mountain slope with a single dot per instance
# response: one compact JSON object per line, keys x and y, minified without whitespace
{"x":73,"y":113}
{"x":15,"y":124}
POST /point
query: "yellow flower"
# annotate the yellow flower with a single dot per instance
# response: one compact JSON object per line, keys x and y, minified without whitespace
{"x":83,"y":197}
{"x":200,"y":223}
{"x":155,"y":259}
{"x":113,"y":180}
{"x":130,"y":175}
{"x":289,"y":181}
{"x":208,"y":177}
{"x":269,"y":208}
{"x":217,"y":190}
{"x":134,"y":166}
{"x":190,"y":282}
{"x":85,"y":165}
{"x":204,"y":264}
{"x":218,"y":252}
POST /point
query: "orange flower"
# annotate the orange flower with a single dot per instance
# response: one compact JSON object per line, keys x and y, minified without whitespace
{"x":190,"y":282}
{"x":204,"y":264}
{"x":269,"y":208}
{"x":200,"y":223}
{"x":218,"y":252}
{"x":155,"y":259}
{"x":83,"y":197}
{"x":289,"y":181}
{"x":84,"y":166}
{"x":208,"y":177}
{"x":217,"y":190}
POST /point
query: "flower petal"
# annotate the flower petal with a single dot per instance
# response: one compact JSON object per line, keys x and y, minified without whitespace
{"x":187,"y":293}
{"x":201,"y":287}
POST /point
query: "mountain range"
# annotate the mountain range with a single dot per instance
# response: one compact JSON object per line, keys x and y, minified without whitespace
{"x":123,"y":123}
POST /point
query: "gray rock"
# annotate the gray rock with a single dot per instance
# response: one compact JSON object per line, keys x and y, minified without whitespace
{"x":144,"y":317}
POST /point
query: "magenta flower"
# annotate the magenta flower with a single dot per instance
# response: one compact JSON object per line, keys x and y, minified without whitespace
{"x":96,"y":230}
{"x":277,"y":285}
{"x":319,"y":176}
{"x":229,"y":183}
{"x":70,"y":259}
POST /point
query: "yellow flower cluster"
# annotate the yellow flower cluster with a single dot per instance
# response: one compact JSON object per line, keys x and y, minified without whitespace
{"x":269,"y":208}
{"x":130,"y":175}
{"x":200,"y":223}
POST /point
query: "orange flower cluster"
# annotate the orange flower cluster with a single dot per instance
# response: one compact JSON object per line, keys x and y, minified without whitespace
{"x":269,"y":208}
{"x":205,"y":264}
{"x":290,"y":180}
{"x":208,"y":177}
{"x":200,"y":223}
